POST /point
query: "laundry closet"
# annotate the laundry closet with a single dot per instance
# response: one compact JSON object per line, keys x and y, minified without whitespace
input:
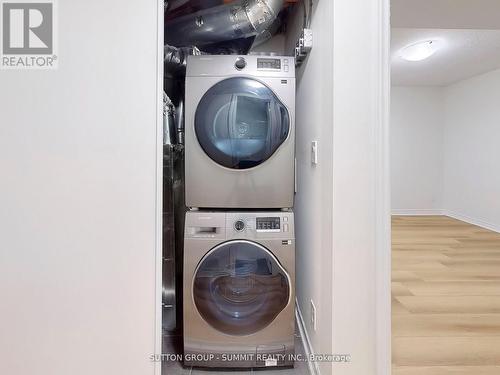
{"x":230,"y":180}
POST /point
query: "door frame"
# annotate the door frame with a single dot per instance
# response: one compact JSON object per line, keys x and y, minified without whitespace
{"x":159,"y":187}
{"x":383,"y":195}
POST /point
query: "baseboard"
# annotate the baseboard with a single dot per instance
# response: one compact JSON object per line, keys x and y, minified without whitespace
{"x":474,"y":221}
{"x":417,"y":212}
{"x":313,"y":366}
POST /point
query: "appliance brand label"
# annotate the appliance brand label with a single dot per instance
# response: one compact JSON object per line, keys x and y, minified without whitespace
{"x":271,"y":362}
{"x":29,"y":31}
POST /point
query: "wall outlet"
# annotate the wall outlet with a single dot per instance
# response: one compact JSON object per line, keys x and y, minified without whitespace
{"x":313,"y":316}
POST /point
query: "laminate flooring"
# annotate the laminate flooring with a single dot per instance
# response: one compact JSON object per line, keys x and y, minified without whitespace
{"x":445,"y":297}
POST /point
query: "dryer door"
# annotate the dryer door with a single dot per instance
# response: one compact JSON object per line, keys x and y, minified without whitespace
{"x":239,"y":288}
{"x":240,"y":123}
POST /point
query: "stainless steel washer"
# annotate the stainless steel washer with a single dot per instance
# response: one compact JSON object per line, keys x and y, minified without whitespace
{"x":239,"y":297}
{"x":240,"y":132}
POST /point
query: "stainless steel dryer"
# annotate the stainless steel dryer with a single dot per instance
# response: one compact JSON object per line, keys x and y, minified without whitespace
{"x":239,"y":276}
{"x":240,"y":133}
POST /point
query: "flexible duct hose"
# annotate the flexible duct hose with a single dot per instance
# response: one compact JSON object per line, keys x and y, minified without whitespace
{"x":169,"y":128}
{"x":176,"y":58}
{"x":226,"y":22}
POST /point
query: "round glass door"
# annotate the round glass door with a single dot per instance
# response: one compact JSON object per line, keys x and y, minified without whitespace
{"x":240,"y":288}
{"x":240,"y":123}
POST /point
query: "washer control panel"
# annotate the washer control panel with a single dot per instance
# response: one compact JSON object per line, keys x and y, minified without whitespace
{"x":240,"y":224}
{"x":259,"y":225}
{"x":268,"y":224}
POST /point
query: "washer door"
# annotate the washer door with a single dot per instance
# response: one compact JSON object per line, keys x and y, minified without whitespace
{"x":239,"y":288}
{"x":240,"y":123}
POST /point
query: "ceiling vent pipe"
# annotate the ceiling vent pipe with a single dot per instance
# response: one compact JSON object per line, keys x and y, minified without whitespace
{"x":223,"y":23}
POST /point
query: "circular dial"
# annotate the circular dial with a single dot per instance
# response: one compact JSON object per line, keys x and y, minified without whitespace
{"x":239,"y":225}
{"x":240,"y":63}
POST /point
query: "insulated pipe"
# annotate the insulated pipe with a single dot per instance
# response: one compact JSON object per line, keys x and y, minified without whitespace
{"x":180,"y":122}
{"x":169,"y":128}
{"x":223,"y":23}
{"x":177,"y":3}
{"x":176,"y":58}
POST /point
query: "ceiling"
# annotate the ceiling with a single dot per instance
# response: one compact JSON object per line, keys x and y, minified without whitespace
{"x":470,"y":35}
{"x":462,"y":54}
{"x":446,"y":14}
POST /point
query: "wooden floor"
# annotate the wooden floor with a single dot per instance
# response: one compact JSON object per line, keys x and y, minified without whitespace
{"x":445,"y":297}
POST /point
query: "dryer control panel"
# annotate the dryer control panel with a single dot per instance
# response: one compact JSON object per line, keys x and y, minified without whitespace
{"x":247,"y":65}
{"x":268,"y":63}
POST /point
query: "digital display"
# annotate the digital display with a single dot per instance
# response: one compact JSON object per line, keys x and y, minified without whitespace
{"x":273,"y":64}
{"x":268,"y":224}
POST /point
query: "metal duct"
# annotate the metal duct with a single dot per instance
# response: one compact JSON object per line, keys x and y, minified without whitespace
{"x":178,"y":3}
{"x":267,"y":34}
{"x":180,"y":122}
{"x":175,"y":59}
{"x":169,"y":128}
{"x":179,"y":8}
{"x":222,"y":23}
{"x":169,"y":243}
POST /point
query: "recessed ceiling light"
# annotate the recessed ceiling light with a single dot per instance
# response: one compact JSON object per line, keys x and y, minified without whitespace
{"x":419,"y":51}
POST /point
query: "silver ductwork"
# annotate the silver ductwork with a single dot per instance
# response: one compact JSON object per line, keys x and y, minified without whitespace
{"x":168,"y":239}
{"x":169,"y":127}
{"x":180,"y":122}
{"x":223,"y":23}
{"x":177,"y":4}
{"x":176,"y":58}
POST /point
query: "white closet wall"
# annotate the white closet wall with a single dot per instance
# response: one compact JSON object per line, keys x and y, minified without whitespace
{"x":79,"y":198}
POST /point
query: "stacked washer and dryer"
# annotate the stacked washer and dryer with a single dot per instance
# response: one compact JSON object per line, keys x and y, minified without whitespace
{"x":239,"y":246}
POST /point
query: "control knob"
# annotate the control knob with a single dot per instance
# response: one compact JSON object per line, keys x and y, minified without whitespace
{"x":239,"y":225}
{"x":240,"y":63}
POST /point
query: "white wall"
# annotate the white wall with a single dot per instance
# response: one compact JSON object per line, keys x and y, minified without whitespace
{"x":314,"y":120}
{"x":417,"y":127}
{"x":444,"y":150}
{"x":342,"y":205}
{"x":472,"y":150}
{"x":78,"y":198}
{"x":361,"y":201}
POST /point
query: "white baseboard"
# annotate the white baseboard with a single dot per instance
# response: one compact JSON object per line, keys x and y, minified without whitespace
{"x":417,"y":212}
{"x":474,"y":221}
{"x":313,"y":366}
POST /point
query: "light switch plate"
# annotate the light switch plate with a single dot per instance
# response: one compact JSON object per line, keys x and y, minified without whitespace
{"x":314,"y":152}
